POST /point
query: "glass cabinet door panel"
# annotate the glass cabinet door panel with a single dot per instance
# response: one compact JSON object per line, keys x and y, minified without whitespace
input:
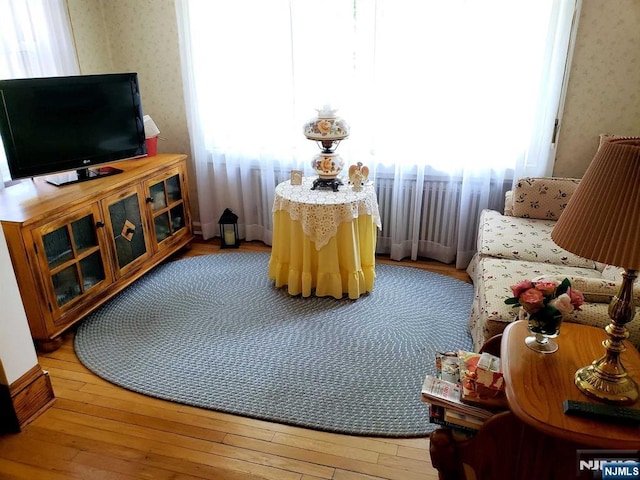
{"x":84,"y":233}
{"x":169,"y":208}
{"x":118,"y":215}
{"x":74,"y":250}
{"x":66,"y":285}
{"x":128,"y":231}
{"x":92,"y":270}
{"x":173,"y":189}
{"x":158,"y":199}
{"x":57,"y":246}
{"x":162,"y":227}
{"x":177,"y":218}
{"x":128,"y":251}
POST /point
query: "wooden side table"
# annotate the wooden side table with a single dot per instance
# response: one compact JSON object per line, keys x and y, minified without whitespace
{"x":536,"y":385}
{"x":535,"y":439}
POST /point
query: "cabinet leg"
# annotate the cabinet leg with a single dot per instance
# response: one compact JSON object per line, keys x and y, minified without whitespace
{"x":444,"y":455}
{"x":50,"y":345}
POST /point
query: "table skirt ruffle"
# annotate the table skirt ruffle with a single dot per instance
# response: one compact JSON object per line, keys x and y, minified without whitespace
{"x":345,"y":265}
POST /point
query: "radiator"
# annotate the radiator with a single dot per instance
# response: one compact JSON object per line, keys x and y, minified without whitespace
{"x":427,"y":215}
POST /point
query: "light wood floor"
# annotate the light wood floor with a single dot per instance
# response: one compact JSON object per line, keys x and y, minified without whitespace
{"x":96,"y":430}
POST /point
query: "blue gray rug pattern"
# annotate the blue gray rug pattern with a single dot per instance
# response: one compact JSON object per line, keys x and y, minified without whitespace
{"x":213,"y":331}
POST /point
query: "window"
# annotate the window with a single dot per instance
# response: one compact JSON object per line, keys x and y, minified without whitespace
{"x":461,"y":91}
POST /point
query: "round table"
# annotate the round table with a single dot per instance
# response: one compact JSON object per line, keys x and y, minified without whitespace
{"x":324,"y":241}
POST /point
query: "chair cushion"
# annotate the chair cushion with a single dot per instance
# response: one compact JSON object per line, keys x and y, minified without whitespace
{"x":528,"y":239}
{"x":542,"y":197}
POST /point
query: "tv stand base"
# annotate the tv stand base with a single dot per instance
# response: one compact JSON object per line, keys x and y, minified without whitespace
{"x":81,"y":175}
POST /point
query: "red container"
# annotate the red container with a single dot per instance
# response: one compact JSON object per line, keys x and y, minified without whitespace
{"x":152,"y":146}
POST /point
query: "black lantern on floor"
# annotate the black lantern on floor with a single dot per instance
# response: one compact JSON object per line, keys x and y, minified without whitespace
{"x":229,"y":230}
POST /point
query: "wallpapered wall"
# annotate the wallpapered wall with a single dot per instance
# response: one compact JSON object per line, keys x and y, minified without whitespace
{"x":603,"y":94}
{"x":138,"y":36}
{"x":604,"y":84}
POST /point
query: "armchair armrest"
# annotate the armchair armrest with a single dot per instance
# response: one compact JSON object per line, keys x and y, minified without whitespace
{"x":508,"y":203}
{"x":596,"y":290}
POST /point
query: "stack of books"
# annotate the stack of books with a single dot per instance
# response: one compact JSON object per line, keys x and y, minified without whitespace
{"x":447,"y":408}
{"x":467,"y":389}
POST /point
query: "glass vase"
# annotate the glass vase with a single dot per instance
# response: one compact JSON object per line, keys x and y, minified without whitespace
{"x":542,"y":331}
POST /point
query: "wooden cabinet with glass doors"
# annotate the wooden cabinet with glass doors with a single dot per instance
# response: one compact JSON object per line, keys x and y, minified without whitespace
{"x":74,"y":247}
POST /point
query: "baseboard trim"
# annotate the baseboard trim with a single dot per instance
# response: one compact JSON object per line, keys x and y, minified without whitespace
{"x":25,"y":399}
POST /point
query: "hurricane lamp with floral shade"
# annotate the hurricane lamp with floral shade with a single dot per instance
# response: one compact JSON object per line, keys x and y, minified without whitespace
{"x":602,"y":222}
{"x":327,"y":130}
{"x":543,"y":303}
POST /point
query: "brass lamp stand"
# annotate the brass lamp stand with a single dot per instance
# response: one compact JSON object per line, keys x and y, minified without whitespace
{"x":606,"y":378}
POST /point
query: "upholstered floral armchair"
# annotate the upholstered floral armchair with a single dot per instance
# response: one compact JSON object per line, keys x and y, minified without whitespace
{"x":516,"y":245}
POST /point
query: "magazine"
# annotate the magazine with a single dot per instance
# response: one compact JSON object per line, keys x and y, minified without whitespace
{"x":448,"y":394}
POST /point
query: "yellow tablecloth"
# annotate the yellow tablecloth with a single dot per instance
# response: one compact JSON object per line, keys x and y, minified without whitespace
{"x":325,"y":265}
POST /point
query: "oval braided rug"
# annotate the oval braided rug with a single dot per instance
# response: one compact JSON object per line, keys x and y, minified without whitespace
{"x":213,"y":331}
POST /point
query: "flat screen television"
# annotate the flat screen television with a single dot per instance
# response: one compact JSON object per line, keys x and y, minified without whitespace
{"x":73,"y":124}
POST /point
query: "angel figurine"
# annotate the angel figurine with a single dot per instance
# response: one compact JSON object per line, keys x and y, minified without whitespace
{"x":358,"y":174}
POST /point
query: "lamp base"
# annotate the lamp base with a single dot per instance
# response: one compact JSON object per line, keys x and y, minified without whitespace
{"x":606,"y":378}
{"x":618,"y":389}
{"x":332,"y":183}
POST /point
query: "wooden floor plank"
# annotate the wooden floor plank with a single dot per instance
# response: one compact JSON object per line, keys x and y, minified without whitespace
{"x":61,"y":373}
{"x":180,"y":450}
{"x":168,"y":410}
{"x":403,"y":463}
{"x":326,"y":447}
{"x":413,"y":453}
{"x":332,"y":460}
{"x":345,"y":475}
{"x":131,"y":468}
{"x":64,"y":469}
{"x":98,"y":430}
{"x":144,"y":459}
{"x":11,"y":469}
{"x":63,"y":365}
{"x":35,"y":451}
{"x":142,"y":420}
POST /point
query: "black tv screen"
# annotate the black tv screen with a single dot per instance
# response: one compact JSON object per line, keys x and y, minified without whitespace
{"x":58,"y":124}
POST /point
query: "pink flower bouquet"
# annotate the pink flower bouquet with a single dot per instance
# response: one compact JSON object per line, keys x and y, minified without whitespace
{"x":545,"y":301}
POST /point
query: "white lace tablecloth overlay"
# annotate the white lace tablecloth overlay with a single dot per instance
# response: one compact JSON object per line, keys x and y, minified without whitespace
{"x":321,"y":211}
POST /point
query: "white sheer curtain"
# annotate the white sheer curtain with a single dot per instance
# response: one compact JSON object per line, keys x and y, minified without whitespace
{"x":35,"y":41}
{"x":456,"y":93}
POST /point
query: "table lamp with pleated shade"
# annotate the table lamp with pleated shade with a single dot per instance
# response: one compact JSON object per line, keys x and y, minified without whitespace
{"x":602,"y":222}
